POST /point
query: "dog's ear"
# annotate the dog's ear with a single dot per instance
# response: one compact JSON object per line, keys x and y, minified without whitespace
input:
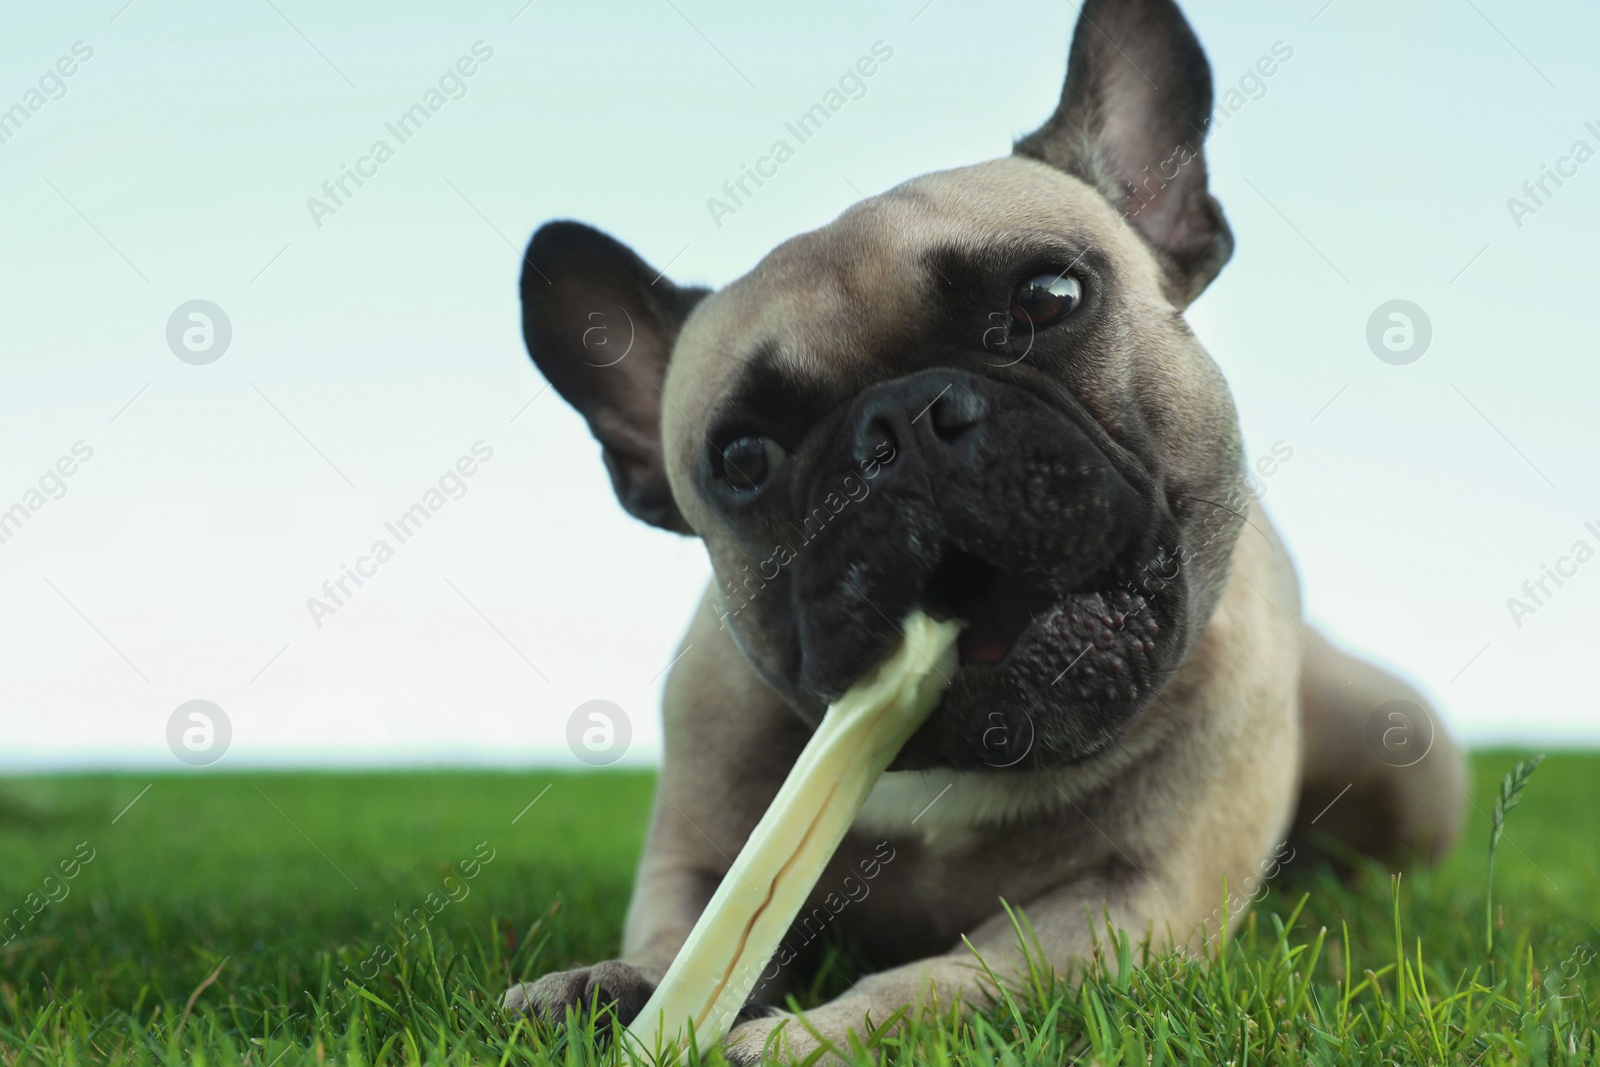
{"x":1133,"y":115}
{"x":600,"y":323}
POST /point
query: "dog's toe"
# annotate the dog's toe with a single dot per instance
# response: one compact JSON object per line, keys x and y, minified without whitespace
{"x":612,"y":986}
{"x":515,"y":1001}
{"x":777,"y":1036}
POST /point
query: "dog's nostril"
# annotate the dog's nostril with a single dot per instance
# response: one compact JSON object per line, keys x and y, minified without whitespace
{"x":878,"y":434}
{"x":956,"y":411}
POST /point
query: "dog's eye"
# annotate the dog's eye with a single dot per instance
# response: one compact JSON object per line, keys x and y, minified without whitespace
{"x":1045,"y":300}
{"x":747,"y":462}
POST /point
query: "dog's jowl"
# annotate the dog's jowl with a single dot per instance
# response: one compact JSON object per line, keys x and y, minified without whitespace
{"x":975,"y":394}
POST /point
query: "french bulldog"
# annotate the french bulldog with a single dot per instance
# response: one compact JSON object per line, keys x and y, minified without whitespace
{"x":976,"y":394}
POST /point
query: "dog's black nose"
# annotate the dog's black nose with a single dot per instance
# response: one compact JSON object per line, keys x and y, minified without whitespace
{"x":929,"y":410}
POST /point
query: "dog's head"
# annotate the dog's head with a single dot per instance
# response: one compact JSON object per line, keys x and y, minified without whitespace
{"x":974,"y":393}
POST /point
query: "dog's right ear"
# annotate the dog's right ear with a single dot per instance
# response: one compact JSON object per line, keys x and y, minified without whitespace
{"x":600,"y":324}
{"x":1132,"y":120}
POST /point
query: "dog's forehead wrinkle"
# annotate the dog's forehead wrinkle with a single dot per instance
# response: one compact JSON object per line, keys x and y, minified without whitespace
{"x":828,"y":295}
{"x":838,"y":292}
{"x":963,"y":207}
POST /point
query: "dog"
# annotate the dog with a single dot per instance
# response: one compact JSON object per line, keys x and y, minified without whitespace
{"x":976,"y":394}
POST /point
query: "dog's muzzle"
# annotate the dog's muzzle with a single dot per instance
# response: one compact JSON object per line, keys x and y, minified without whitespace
{"x":983,"y":502}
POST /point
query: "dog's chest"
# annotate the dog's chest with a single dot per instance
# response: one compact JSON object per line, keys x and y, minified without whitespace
{"x":949,"y":810}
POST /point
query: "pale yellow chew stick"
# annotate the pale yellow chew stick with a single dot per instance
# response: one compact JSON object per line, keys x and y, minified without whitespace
{"x":776,"y":870}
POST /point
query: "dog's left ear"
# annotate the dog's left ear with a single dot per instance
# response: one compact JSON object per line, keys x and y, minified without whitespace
{"x":601,"y":323}
{"x":1132,"y":119}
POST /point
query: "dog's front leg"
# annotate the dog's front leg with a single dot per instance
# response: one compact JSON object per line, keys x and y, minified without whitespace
{"x":729,"y":742}
{"x":1068,"y":923}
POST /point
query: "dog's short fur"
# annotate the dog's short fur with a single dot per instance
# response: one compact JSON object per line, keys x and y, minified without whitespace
{"x":1139,"y":716}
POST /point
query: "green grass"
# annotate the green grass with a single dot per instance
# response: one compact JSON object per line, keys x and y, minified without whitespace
{"x":234,"y":919}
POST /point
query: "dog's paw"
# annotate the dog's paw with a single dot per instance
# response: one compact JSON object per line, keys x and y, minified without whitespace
{"x":775,"y":1037}
{"x":612,"y":986}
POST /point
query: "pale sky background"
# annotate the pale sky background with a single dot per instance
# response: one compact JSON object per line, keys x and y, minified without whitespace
{"x":370,"y":353}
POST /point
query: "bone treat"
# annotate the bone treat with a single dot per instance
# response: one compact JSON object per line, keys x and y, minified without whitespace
{"x":779,"y":865}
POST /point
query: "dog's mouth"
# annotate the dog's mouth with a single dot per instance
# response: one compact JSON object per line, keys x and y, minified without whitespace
{"x":1049,"y":665}
{"x":997,"y":606}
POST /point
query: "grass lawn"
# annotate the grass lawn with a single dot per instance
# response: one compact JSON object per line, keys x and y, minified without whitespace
{"x":252,"y":918}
